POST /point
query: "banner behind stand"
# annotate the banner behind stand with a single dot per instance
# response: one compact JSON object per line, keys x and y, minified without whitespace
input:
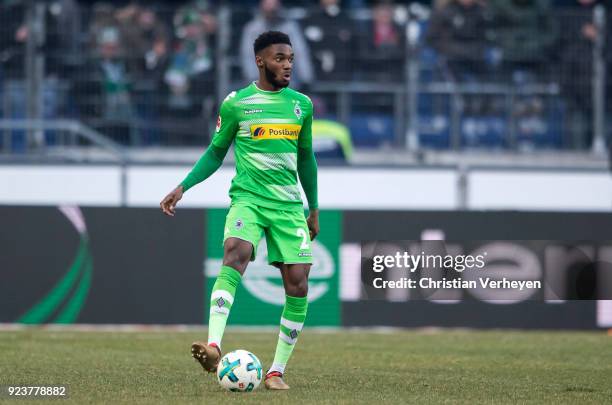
{"x":101,"y":265}
{"x":134,"y":265}
{"x":550,"y":240}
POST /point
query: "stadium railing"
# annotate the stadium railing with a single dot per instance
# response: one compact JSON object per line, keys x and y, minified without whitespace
{"x":54,"y":139}
{"x":406,"y":94}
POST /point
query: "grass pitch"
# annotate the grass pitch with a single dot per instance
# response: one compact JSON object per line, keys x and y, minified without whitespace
{"x":341,"y":367}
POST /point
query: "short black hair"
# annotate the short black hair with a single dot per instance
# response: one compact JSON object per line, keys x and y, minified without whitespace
{"x":270,"y":38}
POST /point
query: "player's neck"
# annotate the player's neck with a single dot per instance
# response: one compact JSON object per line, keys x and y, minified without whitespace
{"x":266,"y":86}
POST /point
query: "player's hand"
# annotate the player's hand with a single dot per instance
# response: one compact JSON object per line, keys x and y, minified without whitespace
{"x":313,"y":223}
{"x":168,"y":204}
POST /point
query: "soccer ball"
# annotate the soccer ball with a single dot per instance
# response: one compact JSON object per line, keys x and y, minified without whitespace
{"x":239,"y":370}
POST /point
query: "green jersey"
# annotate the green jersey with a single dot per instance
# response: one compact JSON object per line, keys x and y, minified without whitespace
{"x":268,"y":128}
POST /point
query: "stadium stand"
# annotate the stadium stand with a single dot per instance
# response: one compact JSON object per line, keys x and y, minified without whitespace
{"x":447,"y":76}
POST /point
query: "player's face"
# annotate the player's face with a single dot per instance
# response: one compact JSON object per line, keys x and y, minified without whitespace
{"x":277,"y":62}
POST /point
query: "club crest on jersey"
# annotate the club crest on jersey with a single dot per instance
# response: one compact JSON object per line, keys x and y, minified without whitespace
{"x":218,"y":123}
{"x":297,"y":110}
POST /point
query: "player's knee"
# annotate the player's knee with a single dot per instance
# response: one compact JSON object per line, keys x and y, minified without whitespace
{"x":299,"y":288}
{"x":235,"y":260}
{"x":237,"y":254}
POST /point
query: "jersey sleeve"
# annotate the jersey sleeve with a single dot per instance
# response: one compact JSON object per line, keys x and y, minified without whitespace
{"x":305,"y":138}
{"x":227,"y":124}
{"x":306,"y":162}
{"x":211,"y":160}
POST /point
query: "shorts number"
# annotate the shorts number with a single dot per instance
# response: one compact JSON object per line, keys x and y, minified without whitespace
{"x":301,"y":232}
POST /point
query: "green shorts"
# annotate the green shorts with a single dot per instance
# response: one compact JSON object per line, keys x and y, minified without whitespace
{"x":287,"y":235}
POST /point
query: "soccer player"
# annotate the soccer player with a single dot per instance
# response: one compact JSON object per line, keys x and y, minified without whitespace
{"x":271,"y":127}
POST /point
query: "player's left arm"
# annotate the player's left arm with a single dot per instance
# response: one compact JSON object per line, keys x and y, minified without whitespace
{"x":307,"y":172}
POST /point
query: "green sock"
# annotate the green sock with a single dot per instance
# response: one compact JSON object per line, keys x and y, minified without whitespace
{"x":221,"y":301}
{"x":291,"y":325}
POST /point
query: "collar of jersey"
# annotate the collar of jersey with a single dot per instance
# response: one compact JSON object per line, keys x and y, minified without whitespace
{"x":267,"y":91}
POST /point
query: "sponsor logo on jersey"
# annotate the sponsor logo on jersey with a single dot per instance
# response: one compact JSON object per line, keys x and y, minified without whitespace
{"x":275,"y":131}
{"x":255,"y":111}
{"x":258,"y":132}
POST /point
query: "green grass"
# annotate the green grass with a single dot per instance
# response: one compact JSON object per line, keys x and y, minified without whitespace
{"x":338,"y":367}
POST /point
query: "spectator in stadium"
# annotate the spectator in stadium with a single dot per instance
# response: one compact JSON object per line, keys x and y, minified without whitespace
{"x":577,"y":39}
{"x":154,"y":40}
{"x":267,"y":19}
{"x":458,"y":31}
{"x":12,"y":40}
{"x":126,"y":18}
{"x":145,"y":38}
{"x":12,"y":72}
{"x":115,"y":83}
{"x":67,"y":16}
{"x":129,"y":30}
{"x":57,"y":45}
{"x":526,"y":32}
{"x":61,"y":33}
{"x":146,"y":41}
{"x":383,"y":52}
{"x":329,"y":34}
{"x":103,"y":18}
{"x":190,"y":75}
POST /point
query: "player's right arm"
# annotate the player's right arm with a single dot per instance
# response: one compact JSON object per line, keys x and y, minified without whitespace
{"x":211,"y":160}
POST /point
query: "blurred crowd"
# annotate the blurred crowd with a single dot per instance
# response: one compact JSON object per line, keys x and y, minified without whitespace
{"x":519,"y":42}
{"x":158,"y":61}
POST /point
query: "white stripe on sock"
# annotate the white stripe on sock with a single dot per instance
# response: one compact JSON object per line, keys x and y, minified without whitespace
{"x":291,"y":324}
{"x":219,"y":310}
{"x":223,"y":294}
{"x":277,"y":367}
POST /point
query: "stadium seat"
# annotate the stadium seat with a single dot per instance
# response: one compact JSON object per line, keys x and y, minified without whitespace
{"x":372,"y":130}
